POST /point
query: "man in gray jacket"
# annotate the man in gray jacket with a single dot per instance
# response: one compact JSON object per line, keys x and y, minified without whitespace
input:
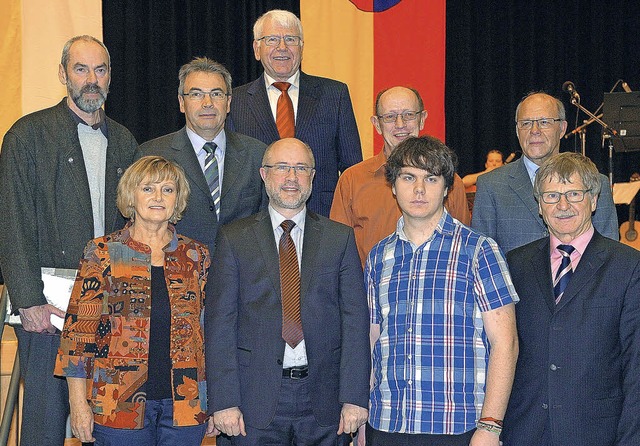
{"x":505,"y":208}
{"x":59,"y":169}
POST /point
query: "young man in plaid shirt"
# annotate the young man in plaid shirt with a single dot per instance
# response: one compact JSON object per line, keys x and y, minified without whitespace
{"x":444,"y":342}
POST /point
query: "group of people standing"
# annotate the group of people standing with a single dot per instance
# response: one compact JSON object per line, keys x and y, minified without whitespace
{"x":215,"y":296}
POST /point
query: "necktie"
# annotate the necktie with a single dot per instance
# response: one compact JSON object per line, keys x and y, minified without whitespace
{"x":212,"y":174}
{"x":285,"y":121}
{"x":290,"y":287}
{"x":564,"y":272}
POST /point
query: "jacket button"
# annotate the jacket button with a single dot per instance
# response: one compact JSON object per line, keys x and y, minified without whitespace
{"x":212,"y":208}
{"x":545,"y":406}
{"x":553,"y":367}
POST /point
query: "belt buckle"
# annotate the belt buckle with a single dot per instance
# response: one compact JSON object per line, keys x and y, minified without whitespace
{"x":298,"y":372}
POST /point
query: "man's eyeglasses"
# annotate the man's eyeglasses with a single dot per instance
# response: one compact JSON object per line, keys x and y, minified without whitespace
{"x":198,"y":95}
{"x":275,"y":40}
{"x":543,"y":123}
{"x":406,"y":116}
{"x":284,"y":169}
{"x":572,"y":196}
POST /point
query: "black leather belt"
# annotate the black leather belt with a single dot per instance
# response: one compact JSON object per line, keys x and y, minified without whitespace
{"x":296,"y":372}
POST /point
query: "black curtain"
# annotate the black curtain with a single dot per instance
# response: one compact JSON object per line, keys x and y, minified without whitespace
{"x":150,"y":39}
{"x":496,"y":53}
{"x":499,"y":51}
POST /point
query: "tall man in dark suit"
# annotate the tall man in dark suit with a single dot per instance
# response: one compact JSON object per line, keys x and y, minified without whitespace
{"x":221,"y":166}
{"x":59,"y":169}
{"x":286,"y":328}
{"x":320,"y":108}
{"x":577,"y":380}
{"x":504,"y":208}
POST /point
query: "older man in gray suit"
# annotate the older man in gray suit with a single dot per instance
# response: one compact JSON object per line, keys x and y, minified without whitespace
{"x":504,"y":207}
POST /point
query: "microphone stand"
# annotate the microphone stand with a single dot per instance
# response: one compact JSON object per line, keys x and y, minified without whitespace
{"x":582,"y":131}
{"x":609,"y":134}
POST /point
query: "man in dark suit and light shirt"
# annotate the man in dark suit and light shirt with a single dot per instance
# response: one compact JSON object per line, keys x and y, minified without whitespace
{"x":221,"y":166}
{"x":577,"y":380}
{"x":285,"y":102}
{"x":286,"y":328}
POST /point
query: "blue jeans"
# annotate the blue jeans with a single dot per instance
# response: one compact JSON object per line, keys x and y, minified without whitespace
{"x":158,"y":430}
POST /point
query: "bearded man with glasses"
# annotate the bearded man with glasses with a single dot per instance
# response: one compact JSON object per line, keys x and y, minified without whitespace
{"x":221,"y":165}
{"x":505,"y":208}
{"x":286,"y":330}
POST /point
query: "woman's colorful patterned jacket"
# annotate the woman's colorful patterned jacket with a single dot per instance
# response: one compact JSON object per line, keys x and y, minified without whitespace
{"x":106,"y":330}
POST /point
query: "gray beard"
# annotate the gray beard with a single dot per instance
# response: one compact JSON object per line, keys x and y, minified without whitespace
{"x":89,"y":105}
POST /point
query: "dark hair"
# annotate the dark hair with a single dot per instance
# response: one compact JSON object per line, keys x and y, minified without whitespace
{"x":426,"y":153}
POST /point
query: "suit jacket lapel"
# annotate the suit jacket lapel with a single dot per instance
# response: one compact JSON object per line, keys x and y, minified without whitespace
{"x":186,"y":157}
{"x":78,"y":175}
{"x":541,"y":264}
{"x":522,"y":187}
{"x":591,"y":261}
{"x":74,"y":161}
{"x":233,"y":166}
{"x":116,"y":165}
{"x":312,"y":242}
{"x":307,"y":103}
{"x":268,"y":249}
{"x":261,"y":109}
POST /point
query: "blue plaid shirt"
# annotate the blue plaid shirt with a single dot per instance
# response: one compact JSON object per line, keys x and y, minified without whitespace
{"x":430,"y":361}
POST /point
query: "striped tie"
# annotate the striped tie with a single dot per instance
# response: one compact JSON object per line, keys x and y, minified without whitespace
{"x":564,"y":272}
{"x":211,"y":174}
{"x":290,"y":287}
{"x":285,"y":121}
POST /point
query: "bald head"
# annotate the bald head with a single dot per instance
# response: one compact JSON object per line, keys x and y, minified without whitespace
{"x":399,"y":115}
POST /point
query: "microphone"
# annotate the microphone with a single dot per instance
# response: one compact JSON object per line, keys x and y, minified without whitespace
{"x":626,"y":87}
{"x":510,"y":158}
{"x":570,"y":88}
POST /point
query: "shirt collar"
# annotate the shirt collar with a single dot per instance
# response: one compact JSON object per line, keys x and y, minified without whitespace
{"x":445,"y":226}
{"x":378,"y":163}
{"x":101,"y":124}
{"x":531,"y":167}
{"x":579,"y":243}
{"x":277,"y":218}
{"x":293,"y":80}
{"x":198,"y":141}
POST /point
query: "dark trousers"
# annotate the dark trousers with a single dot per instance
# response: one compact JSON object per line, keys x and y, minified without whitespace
{"x":158,"y":430}
{"x":45,"y":405}
{"x":379,"y":438}
{"x":294,"y":423}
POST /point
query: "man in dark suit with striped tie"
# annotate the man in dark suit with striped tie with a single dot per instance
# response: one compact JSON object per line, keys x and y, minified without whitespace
{"x":577,"y":380}
{"x":286,"y":327}
{"x":221,"y":166}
